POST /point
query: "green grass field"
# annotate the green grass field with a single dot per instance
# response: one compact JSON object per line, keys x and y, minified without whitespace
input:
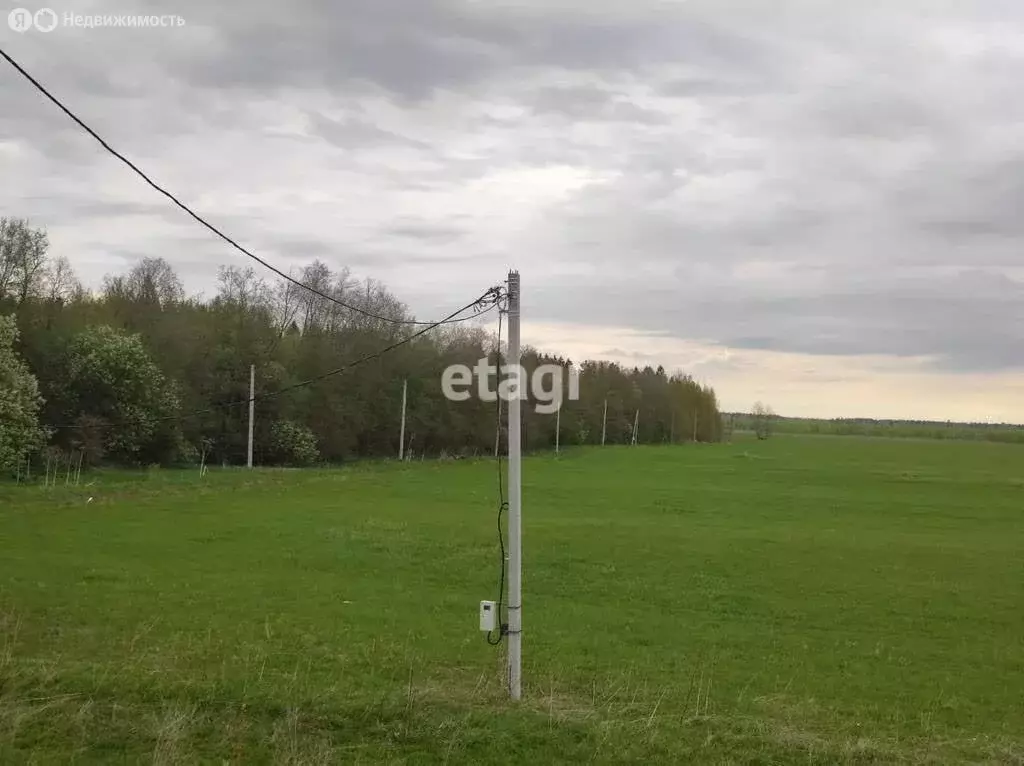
{"x":797,"y":600}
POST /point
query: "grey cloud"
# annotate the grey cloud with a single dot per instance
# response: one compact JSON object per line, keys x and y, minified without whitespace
{"x":965,"y":321}
{"x":357,"y":131}
{"x":302,"y":249}
{"x":414,"y":49}
{"x":408,"y":48}
{"x":755,"y":342}
{"x":878,"y":112}
{"x":978,"y":200}
{"x":712,"y":87}
{"x":591,"y":103}
{"x":426,"y":231}
{"x":93,"y":208}
{"x":615,"y":352}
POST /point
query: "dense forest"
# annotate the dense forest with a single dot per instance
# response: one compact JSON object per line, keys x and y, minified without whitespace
{"x":139,"y":373}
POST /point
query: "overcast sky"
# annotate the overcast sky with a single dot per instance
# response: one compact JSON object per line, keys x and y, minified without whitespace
{"x":815,"y":204}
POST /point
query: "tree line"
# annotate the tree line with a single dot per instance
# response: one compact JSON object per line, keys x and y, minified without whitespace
{"x":139,"y":373}
{"x":909,"y":429}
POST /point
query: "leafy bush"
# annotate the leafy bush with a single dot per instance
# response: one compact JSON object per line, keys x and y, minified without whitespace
{"x":292,"y":444}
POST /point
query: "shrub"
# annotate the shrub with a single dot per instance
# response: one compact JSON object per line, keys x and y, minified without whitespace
{"x":292,"y":444}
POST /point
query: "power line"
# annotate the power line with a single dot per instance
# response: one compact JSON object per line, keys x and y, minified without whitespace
{"x":491,"y":296}
{"x":39,"y":86}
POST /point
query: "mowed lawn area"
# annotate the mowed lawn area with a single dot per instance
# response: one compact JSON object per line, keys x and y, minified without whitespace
{"x":797,"y":600}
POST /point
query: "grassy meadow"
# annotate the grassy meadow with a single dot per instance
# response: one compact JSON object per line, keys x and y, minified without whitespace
{"x":795,"y":600}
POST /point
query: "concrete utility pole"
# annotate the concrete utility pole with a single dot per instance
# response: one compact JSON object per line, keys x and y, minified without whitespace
{"x":252,"y":408}
{"x":558,"y":425}
{"x":636,"y":424}
{"x":604,"y":421}
{"x":515,"y":530}
{"x":401,"y":436}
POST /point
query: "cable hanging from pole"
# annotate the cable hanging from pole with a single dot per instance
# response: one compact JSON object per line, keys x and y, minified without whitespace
{"x":502,"y":503}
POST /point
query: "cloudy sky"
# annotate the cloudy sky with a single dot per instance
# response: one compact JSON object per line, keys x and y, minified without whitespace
{"x":815,"y":204}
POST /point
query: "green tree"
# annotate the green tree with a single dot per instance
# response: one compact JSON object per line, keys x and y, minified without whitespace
{"x":110,"y":378}
{"x":22,"y":260}
{"x":20,"y":433}
{"x":764,"y":420}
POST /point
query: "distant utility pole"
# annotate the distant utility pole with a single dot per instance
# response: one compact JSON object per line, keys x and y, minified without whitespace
{"x":604,"y":421}
{"x":515,"y":529}
{"x":558,"y":425}
{"x":252,"y":408}
{"x":636,"y":424}
{"x":401,"y":436}
{"x":497,"y":434}
{"x":695,"y":415}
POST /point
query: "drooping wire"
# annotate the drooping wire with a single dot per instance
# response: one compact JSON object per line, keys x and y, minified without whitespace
{"x":490,"y":295}
{"x":39,"y":86}
{"x":502,"y":502}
